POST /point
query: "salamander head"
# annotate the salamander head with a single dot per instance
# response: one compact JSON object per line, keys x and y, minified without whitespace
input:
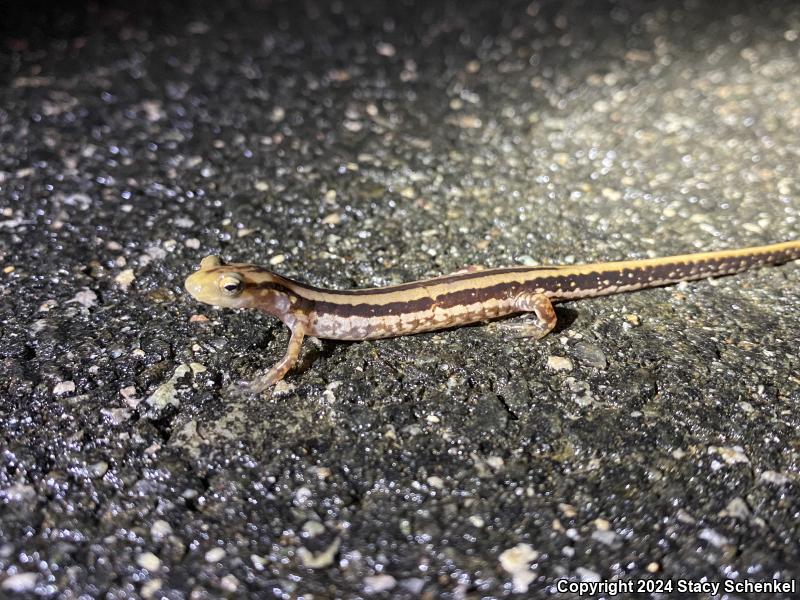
{"x":236,"y":286}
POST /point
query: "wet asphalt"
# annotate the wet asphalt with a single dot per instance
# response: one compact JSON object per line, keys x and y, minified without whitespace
{"x":652,"y":439}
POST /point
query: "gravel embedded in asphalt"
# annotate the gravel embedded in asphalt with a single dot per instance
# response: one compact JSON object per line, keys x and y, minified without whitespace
{"x":653,"y":435}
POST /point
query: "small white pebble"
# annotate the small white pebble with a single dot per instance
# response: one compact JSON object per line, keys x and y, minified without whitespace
{"x":587,"y":574}
{"x":737,"y":508}
{"x":277,"y":259}
{"x":159,"y":530}
{"x":385,"y":49}
{"x":713,"y":538}
{"x":774,"y":477}
{"x":602,"y":524}
{"x":48,"y":305}
{"x":215,"y":555}
{"x":259,"y":562}
{"x":477,"y":521}
{"x":64,"y":387}
{"x":633,"y":319}
{"x":730,"y":454}
{"x":128,"y":392}
{"x":302,"y":496}
{"x":609,"y":538}
{"x":183,"y":222}
{"x":116,"y":416}
{"x":495,"y":462}
{"x":516,"y":561}
{"x":319,"y":560}
{"x":278,"y":114}
{"x":559,"y":363}
{"x":20,"y":582}
{"x":313,"y":528}
{"x":149,"y":561}
{"x":380,"y":583}
{"x":125,"y":278}
{"x":229,"y":583}
{"x":149,"y":588}
{"x":86,"y":298}
{"x":436,"y":482}
{"x":520,"y":556}
{"x":469,"y":122}
{"x":601,"y":106}
{"x":282,"y":388}
{"x":98,"y":469}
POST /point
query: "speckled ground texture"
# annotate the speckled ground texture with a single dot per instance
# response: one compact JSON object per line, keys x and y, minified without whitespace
{"x":653,"y":435}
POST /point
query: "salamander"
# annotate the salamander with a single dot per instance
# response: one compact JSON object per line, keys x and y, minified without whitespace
{"x":468,"y":296}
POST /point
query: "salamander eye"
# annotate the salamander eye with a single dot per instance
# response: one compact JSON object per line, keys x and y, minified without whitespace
{"x":231,"y":284}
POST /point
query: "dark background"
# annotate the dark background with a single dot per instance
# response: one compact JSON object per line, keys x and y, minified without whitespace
{"x":372,"y":143}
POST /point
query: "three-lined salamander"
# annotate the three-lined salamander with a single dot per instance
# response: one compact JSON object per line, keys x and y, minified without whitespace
{"x":457,"y":299}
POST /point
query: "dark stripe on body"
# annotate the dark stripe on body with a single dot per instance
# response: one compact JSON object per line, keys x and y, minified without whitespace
{"x":426,"y":303}
{"x":556,"y":287}
{"x":594,"y":284}
{"x":301,"y":303}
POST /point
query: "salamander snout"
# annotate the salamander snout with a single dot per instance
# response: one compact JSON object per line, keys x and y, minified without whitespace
{"x":212,"y":284}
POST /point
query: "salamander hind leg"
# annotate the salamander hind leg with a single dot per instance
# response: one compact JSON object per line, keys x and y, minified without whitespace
{"x":540,"y":320}
{"x":277,"y":372}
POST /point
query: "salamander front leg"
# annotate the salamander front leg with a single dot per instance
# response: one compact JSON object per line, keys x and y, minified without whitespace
{"x":276,"y":373}
{"x":540,"y":320}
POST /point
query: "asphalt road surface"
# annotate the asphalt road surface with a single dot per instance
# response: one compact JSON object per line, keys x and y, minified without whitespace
{"x":651,"y":441}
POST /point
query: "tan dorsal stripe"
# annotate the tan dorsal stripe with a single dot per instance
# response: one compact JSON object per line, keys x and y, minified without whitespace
{"x":524,"y":275}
